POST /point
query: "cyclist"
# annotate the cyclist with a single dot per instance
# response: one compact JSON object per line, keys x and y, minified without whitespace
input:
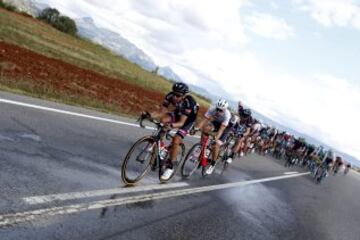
{"x":216,"y":120}
{"x":339,"y":163}
{"x":294,"y":151}
{"x":183,"y":118}
{"x":242,"y":131}
{"x":232,"y":127}
{"x":240,"y":108}
{"x":327,"y":164}
{"x":252,"y":136}
{"x":347,"y":168}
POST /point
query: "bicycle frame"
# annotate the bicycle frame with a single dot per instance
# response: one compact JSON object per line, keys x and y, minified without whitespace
{"x":157,"y":135}
{"x":204,"y":143}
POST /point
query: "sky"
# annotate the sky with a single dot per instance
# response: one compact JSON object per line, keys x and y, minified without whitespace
{"x":294,"y":61}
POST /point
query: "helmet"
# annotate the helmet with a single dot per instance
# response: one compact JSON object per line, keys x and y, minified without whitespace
{"x":222,"y":104}
{"x":246,"y":112}
{"x":180,"y":88}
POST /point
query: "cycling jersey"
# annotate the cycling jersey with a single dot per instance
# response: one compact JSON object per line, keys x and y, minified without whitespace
{"x":256,"y":127}
{"x":329,"y":158}
{"x":264,"y":133}
{"x":310,"y":151}
{"x":218,"y":119}
{"x":297,"y":145}
{"x":242,"y":128}
{"x":234,"y":121}
{"x":187,"y":107}
{"x":272,"y":133}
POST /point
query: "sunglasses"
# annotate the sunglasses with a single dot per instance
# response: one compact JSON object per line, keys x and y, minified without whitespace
{"x":219,"y":110}
{"x":178,"y":95}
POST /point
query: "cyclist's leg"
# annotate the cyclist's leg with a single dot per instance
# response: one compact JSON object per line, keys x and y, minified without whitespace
{"x":218,"y":144}
{"x":176,"y":141}
{"x":236,"y":148}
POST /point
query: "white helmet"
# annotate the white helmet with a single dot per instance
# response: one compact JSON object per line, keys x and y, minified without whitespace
{"x":222,"y":104}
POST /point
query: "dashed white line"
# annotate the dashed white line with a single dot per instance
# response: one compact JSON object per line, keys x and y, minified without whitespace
{"x":96,"y":193}
{"x":11,"y":219}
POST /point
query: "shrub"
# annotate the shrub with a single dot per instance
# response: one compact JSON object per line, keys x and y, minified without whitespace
{"x":8,"y":6}
{"x":62,"y":23}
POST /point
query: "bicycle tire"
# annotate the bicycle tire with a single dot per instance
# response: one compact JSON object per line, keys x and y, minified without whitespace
{"x":124,"y":174}
{"x":195,"y":164}
{"x":224,"y":158}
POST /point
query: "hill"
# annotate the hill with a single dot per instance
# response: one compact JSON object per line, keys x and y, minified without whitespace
{"x":45,"y":43}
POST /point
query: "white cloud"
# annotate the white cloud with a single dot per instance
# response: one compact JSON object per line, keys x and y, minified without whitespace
{"x":274,"y":5}
{"x":332,"y":12}
{"x":269,"y":26}
{"x":208,"y":46}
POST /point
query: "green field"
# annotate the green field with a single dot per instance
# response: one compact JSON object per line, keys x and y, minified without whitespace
{"x":44,"y":39}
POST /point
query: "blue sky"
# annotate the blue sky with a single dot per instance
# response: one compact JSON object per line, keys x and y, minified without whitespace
{"x":293,"y":60}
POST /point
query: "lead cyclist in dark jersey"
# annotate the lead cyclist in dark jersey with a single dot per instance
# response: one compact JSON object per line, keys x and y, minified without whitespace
{"x":183,"y":118}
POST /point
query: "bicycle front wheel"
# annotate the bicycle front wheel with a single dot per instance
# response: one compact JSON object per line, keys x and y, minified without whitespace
{"x":192,"y":160}
{"x":138,"y":160}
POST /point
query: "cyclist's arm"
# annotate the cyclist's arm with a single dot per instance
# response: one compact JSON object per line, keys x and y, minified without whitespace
{"x":158,"y":114}
{"x":180,"y":123}
{"x":220,"y":132}
{"x":201,"y":124}
{"x":247,"y":132}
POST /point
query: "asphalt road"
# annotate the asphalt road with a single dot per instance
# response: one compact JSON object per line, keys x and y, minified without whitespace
{"x":43,"y":152}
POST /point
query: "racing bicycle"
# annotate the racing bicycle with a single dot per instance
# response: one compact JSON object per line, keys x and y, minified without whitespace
{"x":149,"y":152}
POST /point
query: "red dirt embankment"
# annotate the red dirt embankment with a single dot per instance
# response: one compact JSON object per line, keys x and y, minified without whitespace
{"x":40,"y":73}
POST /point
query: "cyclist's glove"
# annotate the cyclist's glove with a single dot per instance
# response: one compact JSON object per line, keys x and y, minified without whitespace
{"x":193,"y":131}
{"x":145,"y":115}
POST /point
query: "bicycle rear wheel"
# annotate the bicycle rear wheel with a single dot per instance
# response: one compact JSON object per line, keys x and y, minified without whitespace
{"x":138,"y":160}
{"x":191,"y":161}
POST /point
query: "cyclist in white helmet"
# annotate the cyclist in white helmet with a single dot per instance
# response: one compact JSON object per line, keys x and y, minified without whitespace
{"x":216,"y":120}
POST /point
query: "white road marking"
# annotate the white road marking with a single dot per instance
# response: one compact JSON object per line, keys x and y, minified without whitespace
{"x":28,"y":105}
{"x":96,"y":193}
{"x":288,"y":173}
{"x":11,"y":219}
{"x":67,"y":112}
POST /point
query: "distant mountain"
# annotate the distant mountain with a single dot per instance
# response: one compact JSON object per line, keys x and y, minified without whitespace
{"x":168,"y":73}
{"x":115,"y":42}
{"x":31,"y":7}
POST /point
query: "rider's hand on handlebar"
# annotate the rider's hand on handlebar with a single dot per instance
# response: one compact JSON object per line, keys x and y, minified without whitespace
{"x":194,"y":130}
{"x":145,"y":114}
{"x":167,"y":126}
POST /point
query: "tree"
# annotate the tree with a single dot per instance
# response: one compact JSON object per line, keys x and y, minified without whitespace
{"x":62,"y":23}
{"x":66,"y":25}
{"x":49,"y":15}
{"x":8,"y":6}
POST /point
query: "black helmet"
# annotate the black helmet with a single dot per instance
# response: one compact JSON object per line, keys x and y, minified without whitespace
{"x":180,"y":88}
{"x":246,"y":112}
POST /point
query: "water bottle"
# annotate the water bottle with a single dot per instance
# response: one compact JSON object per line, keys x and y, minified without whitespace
{"x":207,"y":152}
{"x":163,"y":151}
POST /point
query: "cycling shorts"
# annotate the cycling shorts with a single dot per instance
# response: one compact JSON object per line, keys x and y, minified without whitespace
{"x":184,"y":130}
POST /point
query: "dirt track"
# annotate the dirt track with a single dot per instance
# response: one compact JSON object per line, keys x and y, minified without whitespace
{"x":39,"y":73}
